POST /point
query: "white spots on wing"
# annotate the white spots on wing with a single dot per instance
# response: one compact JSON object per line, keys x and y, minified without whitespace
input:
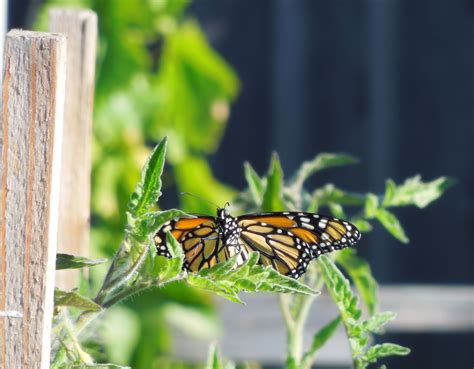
{"x":348,"y":226}
{"x":263,"y":224}
{"x":325,"y":236}
{"x":307,"y":226}
{"x":167,"y":228}
{"x":322,"y":223}
{"x":316,"y":216}
{"x":157,"y":239}
{"x":304,"y":219}
{"x":279,"y":231}
{"x":343,"y":239}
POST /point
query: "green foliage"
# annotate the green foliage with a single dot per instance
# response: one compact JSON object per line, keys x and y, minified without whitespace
{"x":272,"y":196}
{"x":320,"y":338}
{"x":264,"y":192}
{"x":73,"y":299}
{"x":148,"y":190}
{"x":358,"y":330}
{"x":415,"y":192}
{"x":66,"y":261}
{"x":361,"y":275}
{"x":228,"y":280}
{"x":215,"y":362}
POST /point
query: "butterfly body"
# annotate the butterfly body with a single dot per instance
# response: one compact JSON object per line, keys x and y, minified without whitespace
{"x":286,"y":241}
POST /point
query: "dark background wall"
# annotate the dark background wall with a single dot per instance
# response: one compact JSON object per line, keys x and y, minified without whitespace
{"x":390,"y":81}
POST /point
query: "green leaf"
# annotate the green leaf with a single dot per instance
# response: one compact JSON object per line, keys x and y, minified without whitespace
{"x":376,"y":322}
{"x":339,"y":288}
{"x":321,"y":337}
{"x":272,"y":197}
{"x":64,"y":298}
{"x":331,"y":194}
{"x":383,"y":350}
{"x":391,"y":224}
{"x":148,"y":224}
{"x":371,"y":205}
{"x":361,"y":224}
{"x":223,"y":280}
{"x":148,"y":190}
{"x":213,"y":360}
{"x":320,"y":162}
{"x":415,"y":192}
{"x":337,"y":210}
{"x":255,"y":183}
{"x":66,"y":261}
{"x":218,"y":287}
{"x":361,"y":274}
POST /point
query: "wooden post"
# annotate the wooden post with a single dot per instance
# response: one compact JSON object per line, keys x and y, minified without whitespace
{"x":30,"y":146}
{"x":80,"y":28}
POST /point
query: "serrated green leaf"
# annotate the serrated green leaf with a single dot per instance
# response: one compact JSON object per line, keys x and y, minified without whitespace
{"x":376,"y":322}
{"x":320,"y":162}
{"x":383,"y":350}
{"x":70,"y":298}
{"x":220,"y":269}
{"x":322,"y":336}
{"x":415,"y":192}
{"x":148,"y":224}
{"x":218,"y":287}
{"x":371,"y":205}
{"x":272,"y":197}
{"x":361,"y":274}
{"x":66,"y":261}
{"x":340,"y":292}
{"x":148,"y":190}
{"x":391,"y":224}
{"x":255,"y":183}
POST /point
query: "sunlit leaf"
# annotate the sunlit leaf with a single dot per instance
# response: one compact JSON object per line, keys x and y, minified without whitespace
{"x":320,"y":162}
{"x":255,"y":183}
{"x":73,"y":299}
{"x":415,"y":192}
{"x":360,"y":273}
{"x":321,"y":337}
{"x":66,"y":261}
{"x":272,"y":197}
{"x":148,"y":190}
{"x":392,"y":224}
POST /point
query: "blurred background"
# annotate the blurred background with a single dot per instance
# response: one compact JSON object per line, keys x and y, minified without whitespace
{"x":388,"y":81}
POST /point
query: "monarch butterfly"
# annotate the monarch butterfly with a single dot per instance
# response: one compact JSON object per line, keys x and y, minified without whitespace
{"x":287,"y":241}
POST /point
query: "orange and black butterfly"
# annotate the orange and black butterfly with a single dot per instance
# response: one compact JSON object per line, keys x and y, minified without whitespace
{"x":287,"y":241}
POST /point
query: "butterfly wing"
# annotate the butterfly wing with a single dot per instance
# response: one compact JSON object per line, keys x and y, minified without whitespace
{"x":199,"y":238}
{"x":288,"y":241}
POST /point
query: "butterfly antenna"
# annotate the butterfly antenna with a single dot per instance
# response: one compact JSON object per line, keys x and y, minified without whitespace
{"x":199,"y":198}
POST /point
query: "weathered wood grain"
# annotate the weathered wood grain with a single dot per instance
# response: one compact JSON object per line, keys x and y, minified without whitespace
{"x":30,"y":146}
{"x":80,"y":28}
